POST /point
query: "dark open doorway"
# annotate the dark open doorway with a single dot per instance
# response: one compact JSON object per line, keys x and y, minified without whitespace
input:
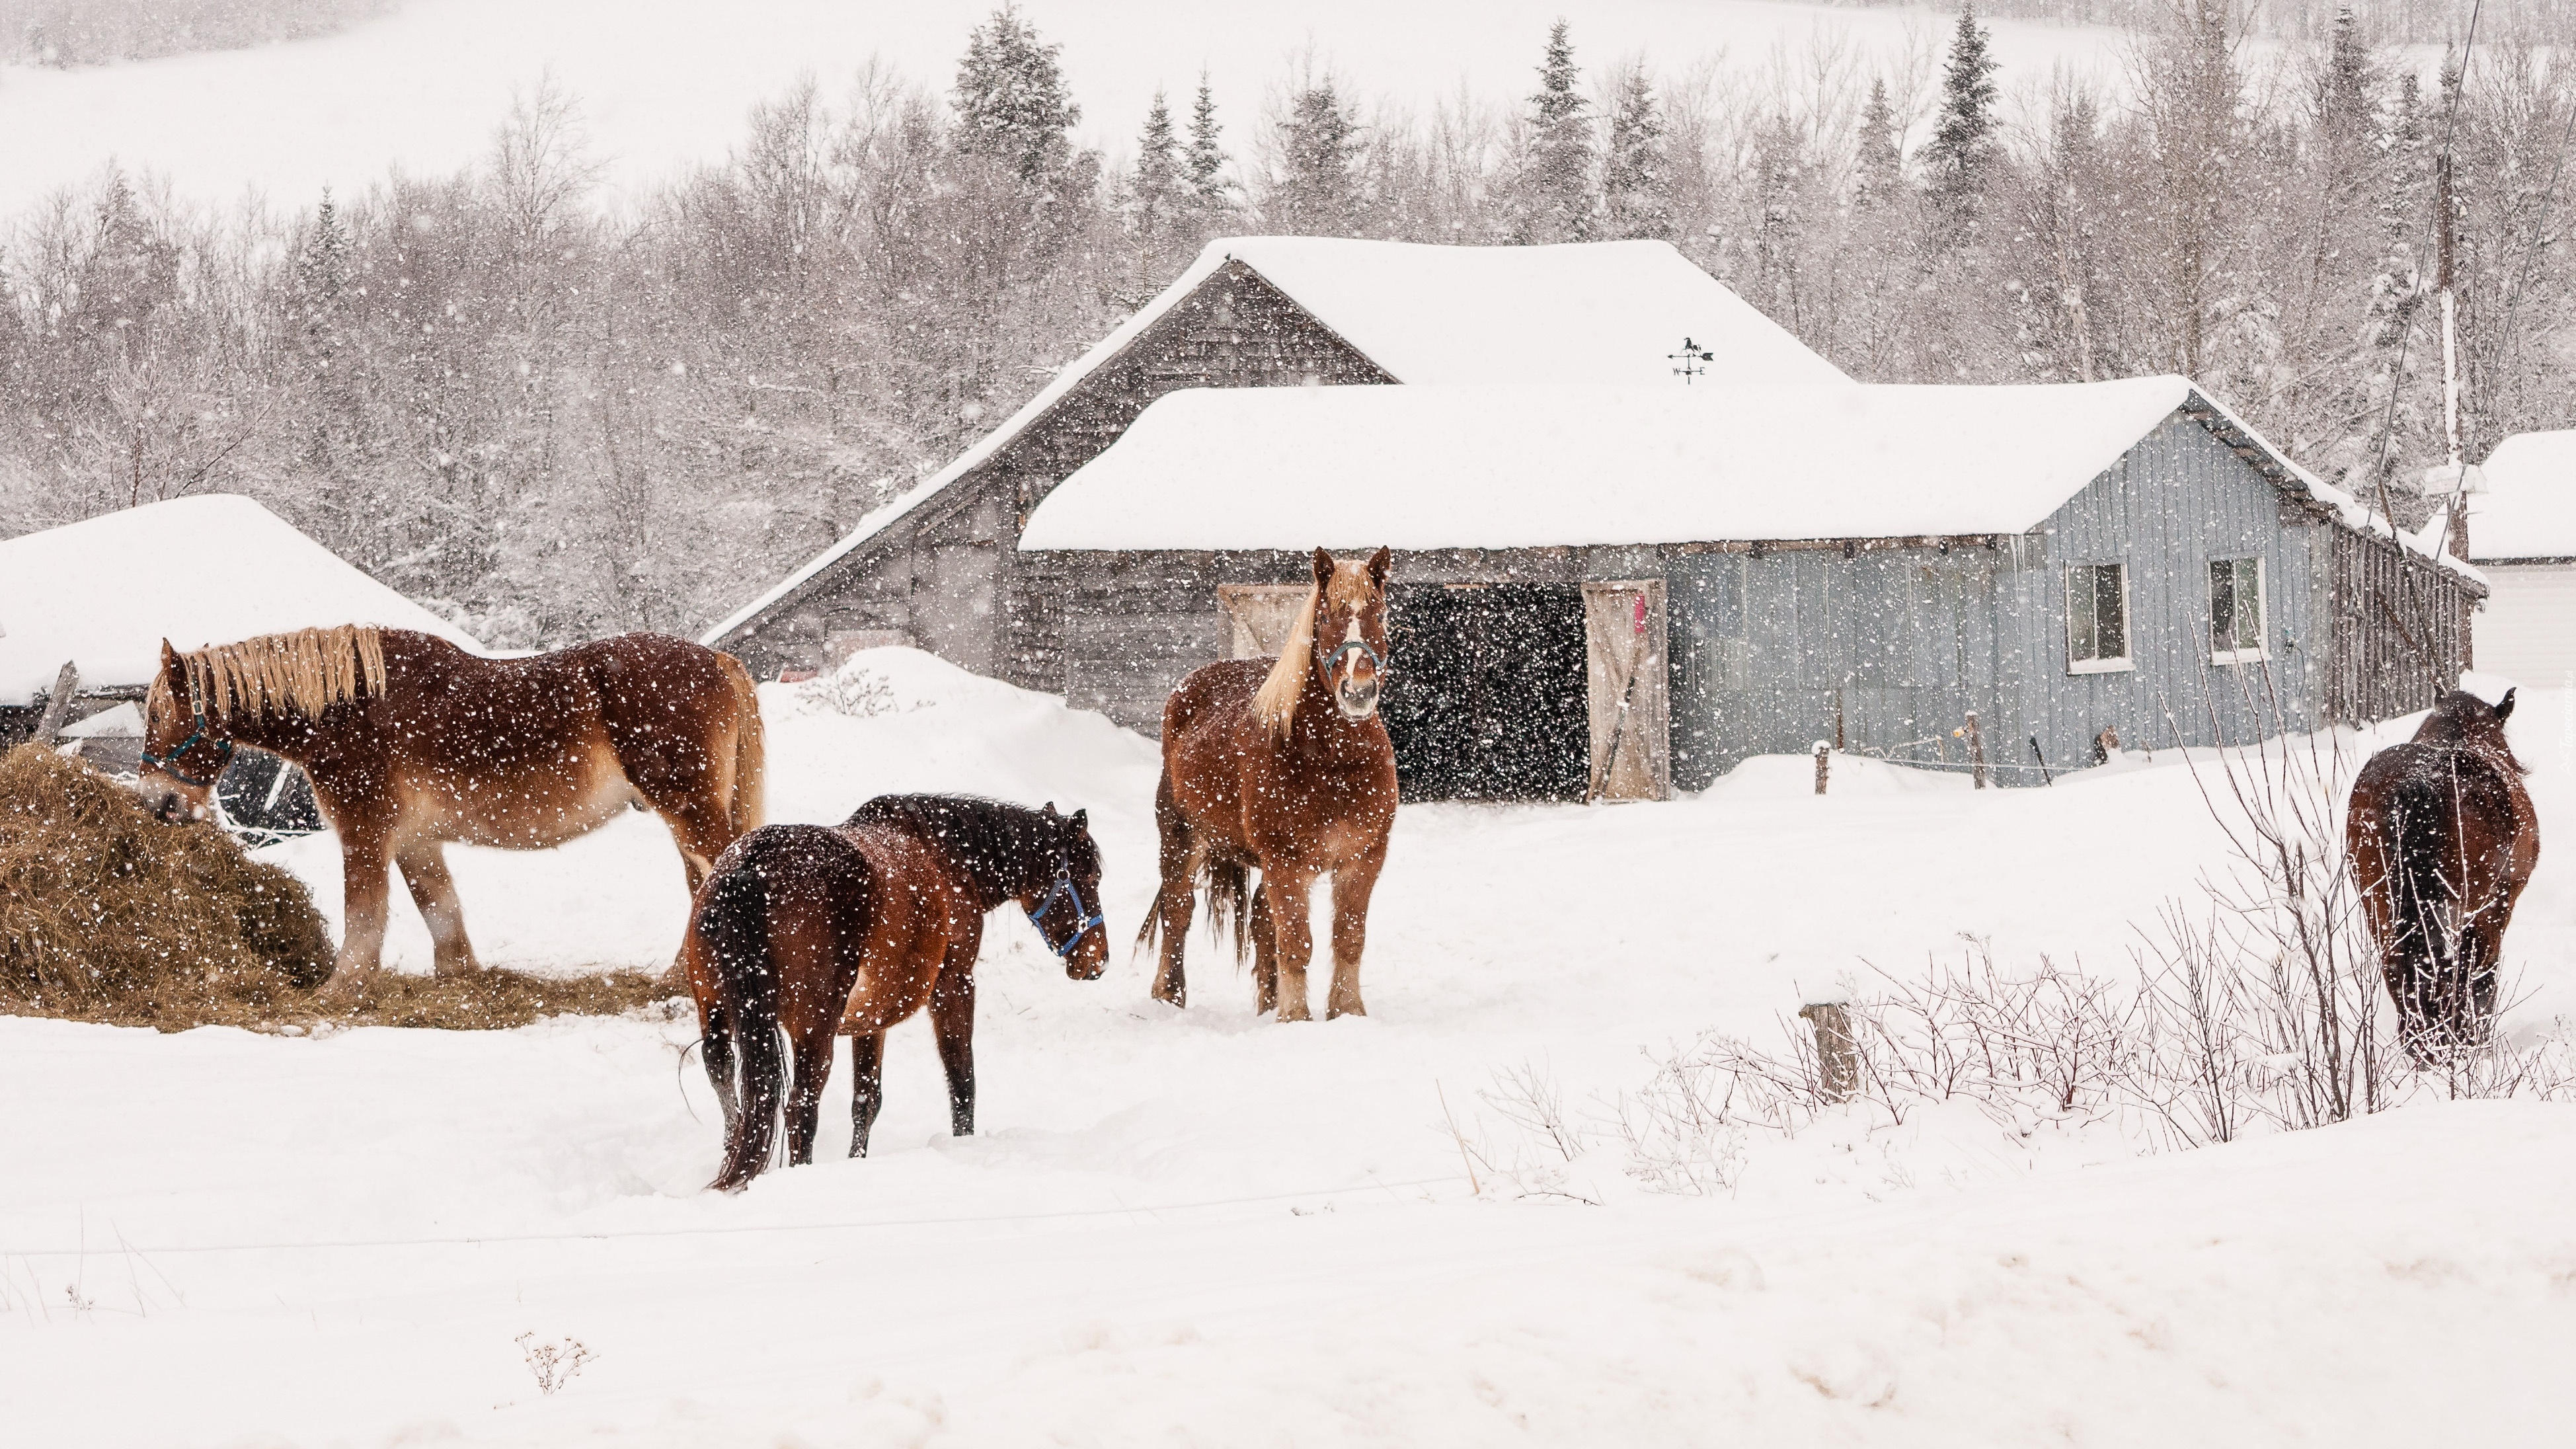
{"x":1485,"y":698}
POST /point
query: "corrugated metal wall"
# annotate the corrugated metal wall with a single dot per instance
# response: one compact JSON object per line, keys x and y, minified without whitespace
{"x":1889,"y":649}
{"x":2177,"y":501}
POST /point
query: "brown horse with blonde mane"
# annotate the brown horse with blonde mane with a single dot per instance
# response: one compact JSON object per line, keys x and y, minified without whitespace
{"x":412,"y":743}
{"x":846,"y":930}
{"x":1281,"y":765}
{"x":2442,"y":838}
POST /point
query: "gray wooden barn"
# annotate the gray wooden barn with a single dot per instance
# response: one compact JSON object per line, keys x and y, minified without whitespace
{"x":1612,"y":579}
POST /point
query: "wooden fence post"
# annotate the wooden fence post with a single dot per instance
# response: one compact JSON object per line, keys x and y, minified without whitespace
{"x":66,"y":683}
{"x":1976,"y":749}
{"x":1824,"y":756}
{"x":1837,"y":1055}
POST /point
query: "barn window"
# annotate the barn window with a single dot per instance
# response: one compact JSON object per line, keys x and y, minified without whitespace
{"x":2235,"y":610}
{"x":2097,"y":619}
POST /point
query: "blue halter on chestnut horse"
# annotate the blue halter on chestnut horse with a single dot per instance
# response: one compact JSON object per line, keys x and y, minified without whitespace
{"x":2442,"y":838}
{"x":412,"y":743}
{"x":1282,"y":765}
{"x":846,"y":930}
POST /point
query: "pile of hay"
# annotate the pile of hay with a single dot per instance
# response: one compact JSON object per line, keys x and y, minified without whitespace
{"x":108,"y":914}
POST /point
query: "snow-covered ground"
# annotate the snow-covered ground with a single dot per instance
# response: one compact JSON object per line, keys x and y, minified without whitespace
{"x":1200,"y":1227}
{"x":666,"y":84}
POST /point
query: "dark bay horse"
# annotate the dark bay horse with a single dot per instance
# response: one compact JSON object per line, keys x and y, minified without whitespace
{"x":412,"y":743}
{"x":1282,"y":765}
{"x":846,"y":930}
{"x":2442,"y":838}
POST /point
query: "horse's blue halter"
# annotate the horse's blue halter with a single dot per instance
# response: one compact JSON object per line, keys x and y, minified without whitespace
{"x":1064,"y":887}
{"x":169,"y":764}
{"x":1333,"y":660}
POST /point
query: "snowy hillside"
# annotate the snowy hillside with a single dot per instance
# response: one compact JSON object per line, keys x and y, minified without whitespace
{"x":1176,"y":1221}
{"x":665,"y":84}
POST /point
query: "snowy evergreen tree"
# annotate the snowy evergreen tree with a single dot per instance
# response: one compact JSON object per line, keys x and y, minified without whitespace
{"x":1636,"y":171}
{"x":1203,"y":163}
{"x":1154,"y":193}
{"x":1881,"y":162}
{"x":1554,"y":201}
{"x":1962,"y":148}
{"x":1315,"y":190}
{"x":1012,"y":104}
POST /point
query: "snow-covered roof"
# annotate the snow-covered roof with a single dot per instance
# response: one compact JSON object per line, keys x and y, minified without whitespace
{"x":1511,"y":467}
{"x":1597,"y":313}
{"x":2529,"y":508}
{"x":104,"y":592}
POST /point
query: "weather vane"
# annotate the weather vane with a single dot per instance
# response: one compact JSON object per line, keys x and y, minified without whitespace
{"x":1690,"y":358}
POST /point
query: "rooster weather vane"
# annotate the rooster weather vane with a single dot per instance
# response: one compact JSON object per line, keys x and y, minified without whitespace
{"x":1690,"y":358}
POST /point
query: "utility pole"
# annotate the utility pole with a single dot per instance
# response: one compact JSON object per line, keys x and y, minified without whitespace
{"x":2453,"y":477}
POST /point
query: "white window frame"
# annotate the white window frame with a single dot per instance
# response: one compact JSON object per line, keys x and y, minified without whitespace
{"x":2127,"y":658}
{"x":2262,"y":649}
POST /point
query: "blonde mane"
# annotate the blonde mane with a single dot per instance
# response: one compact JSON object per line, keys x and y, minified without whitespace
{"x":306,"y":671}
{"x":1275,"y":703}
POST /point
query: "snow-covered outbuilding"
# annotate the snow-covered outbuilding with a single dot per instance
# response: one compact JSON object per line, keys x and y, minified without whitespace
{"x":2522,"y":535}
{"x":102,"y":594}
{"x":1625,"y":589}
{"x":938,"y":566}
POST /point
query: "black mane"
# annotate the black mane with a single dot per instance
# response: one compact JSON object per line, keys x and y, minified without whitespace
{"x":1007,"y":849}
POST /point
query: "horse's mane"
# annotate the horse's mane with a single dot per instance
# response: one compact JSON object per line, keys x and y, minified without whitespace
{"x":1275,"y":703}
{"x":306,"y":671}
{"x":990,"y":838}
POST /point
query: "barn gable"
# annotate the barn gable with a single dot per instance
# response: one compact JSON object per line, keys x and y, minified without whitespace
{"x":936,"y":565}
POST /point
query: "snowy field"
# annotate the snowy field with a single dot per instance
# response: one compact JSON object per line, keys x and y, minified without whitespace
{"x":1203,"y":1228}
{"x":666,"y":84}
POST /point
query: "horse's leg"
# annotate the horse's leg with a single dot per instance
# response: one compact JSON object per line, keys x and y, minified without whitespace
{"x":701,"y":828}
{"x":813,"y":1048}
{"x":1352,"y":885}
{"x":1265,"y":956}
{"x":424,"y":869}
{"x":867,"y":1088}
{"x":365,"y":892}
{"x":952,"y":1020}
{"x":1177,"y":898}
{"x":715,"y":1053}
{"x":1291,"y":898}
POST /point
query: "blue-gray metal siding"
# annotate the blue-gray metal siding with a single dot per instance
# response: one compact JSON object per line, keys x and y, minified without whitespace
{"x":1771,"y":650}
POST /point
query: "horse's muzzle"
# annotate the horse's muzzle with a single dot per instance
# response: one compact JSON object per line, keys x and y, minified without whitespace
{"x":1356,"y":698}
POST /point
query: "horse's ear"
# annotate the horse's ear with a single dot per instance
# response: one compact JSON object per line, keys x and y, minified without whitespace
{"x":1082,"y":819}
{"x":1379,"y":563}
{"x":2504,"y":707}
{"x":1050,"y":809}
{"x":174,"y":671}
{"x":169,"y":658}
{"x":1323,"y":567}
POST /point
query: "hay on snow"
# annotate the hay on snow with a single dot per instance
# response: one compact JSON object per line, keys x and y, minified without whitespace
{"x":110,"y":914}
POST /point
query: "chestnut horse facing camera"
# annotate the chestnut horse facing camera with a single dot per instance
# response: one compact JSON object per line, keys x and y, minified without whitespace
{"x":412,"y":743}
{"x":2442,"y":838}
{"x":846,"y":930}
{"x":1282,"y":765}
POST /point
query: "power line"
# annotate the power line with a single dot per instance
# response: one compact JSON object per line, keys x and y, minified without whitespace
{"x":730,"y":1230}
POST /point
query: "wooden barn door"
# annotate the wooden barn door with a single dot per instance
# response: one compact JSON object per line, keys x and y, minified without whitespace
{"x":1623,"y":637}
{"x":1261,"y":616}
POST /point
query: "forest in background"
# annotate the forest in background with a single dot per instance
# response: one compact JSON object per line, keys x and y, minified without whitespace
{"x":551,"y":421}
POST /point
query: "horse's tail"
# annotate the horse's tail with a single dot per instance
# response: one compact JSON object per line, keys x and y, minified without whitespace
{"x":733,"y":925}
{"x":2421,"y":822}
{"x":1229,"y":896}
{"x":1228,"y":885}
{"x":750,"y":750}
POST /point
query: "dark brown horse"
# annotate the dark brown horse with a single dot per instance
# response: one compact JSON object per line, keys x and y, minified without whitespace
{"x":848,"y":929}
{"x":1282,"y":765}
{"x":2442,"y":839}
{"x":412,"y":743}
